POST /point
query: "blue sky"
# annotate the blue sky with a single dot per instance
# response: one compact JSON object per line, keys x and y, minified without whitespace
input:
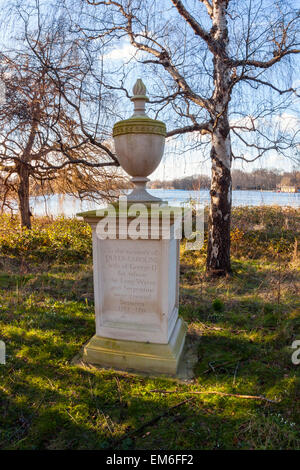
{"x":179,"y":160}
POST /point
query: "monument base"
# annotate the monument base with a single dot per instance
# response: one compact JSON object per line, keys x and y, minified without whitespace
{"x":138,"y":356}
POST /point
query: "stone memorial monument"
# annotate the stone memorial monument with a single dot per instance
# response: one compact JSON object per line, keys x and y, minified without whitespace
{"x":136,"y":279}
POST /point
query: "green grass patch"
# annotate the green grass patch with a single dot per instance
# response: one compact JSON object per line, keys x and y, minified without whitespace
{"x":247,"y":325}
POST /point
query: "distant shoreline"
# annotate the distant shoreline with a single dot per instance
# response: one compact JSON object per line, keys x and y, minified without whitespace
{"x":69,"y":205}
{"x":239,"y":189}
{"x":173,"y":189}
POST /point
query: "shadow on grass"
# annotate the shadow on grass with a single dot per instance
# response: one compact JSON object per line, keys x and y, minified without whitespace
{"x":76,"y":409}
{"x":49,"y":404}
{"x":78,"y":284}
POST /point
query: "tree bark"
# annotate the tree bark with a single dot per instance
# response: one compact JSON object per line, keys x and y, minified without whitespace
{"x":218,"y":250}
{"x":23,"y":195}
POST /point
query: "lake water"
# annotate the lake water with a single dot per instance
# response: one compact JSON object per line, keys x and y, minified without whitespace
{"x":69,"y":205}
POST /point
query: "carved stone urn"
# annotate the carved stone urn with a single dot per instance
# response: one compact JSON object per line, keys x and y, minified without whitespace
{"x":136,"y":278}
{"x":139,"y":143}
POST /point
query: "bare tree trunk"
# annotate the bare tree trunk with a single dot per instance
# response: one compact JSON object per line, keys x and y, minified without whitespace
{"x":218,"y":251}
{"x":23,"y":195}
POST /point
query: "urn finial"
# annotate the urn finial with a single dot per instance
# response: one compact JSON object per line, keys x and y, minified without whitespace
{"x":139,"y":98}
{"x":139,"y":89}
{"x":139,"y":143}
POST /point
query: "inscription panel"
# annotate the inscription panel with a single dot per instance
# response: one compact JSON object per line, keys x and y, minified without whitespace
{"x":130,"y":272}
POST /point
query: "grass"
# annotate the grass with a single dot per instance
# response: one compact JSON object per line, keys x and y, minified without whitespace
{"x":247,"y":324}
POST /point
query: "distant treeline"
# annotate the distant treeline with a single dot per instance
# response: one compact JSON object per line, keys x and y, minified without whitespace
{"x":256,"y":179}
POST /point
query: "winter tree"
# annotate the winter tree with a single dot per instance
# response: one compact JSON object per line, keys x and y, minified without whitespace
{"x":220,"y":69}
{"x":47,"y":139}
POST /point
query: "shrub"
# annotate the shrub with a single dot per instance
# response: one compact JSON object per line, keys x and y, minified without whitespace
{"x":62,"y":239}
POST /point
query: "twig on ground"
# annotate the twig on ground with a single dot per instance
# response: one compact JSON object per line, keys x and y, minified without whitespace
{"x":151,"y":421}
{"x":235,"y":373}
{"x":119,"y":390}
{"x":223,"y":394}
{"x":217,"y":366}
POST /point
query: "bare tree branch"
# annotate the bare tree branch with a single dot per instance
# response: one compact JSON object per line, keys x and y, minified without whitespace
{"x":204,"y":128}
{"x":198,"y":30}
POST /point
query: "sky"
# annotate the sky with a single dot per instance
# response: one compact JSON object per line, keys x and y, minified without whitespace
{"x":178,"y":160}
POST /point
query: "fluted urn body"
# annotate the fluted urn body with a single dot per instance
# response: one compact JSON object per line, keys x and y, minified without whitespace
{"x":139,"y":144}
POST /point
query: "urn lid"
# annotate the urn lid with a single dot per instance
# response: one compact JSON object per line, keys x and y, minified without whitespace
{"x":139,"y":122}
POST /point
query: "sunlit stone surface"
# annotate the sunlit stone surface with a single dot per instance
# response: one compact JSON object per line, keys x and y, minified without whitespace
{"x":136,"y":280}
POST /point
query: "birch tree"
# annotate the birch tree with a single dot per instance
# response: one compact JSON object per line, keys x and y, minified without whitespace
{"x":223,"y":67}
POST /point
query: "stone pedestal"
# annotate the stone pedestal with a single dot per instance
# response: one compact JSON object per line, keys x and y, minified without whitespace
{"x":136,"y":301}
